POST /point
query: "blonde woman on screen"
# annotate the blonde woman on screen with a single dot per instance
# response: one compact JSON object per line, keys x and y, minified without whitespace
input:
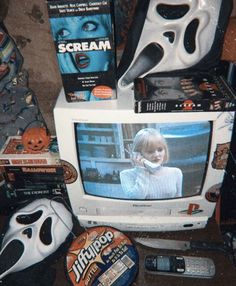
{"x":149,"y":178}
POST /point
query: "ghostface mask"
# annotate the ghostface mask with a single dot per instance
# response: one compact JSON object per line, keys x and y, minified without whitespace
{"x":34,"y":232}
{"x":172,"y":35}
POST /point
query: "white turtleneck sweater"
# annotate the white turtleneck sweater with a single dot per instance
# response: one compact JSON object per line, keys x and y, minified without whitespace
{"x":139,"y":183}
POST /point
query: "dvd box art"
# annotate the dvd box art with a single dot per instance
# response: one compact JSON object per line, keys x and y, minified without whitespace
{"x":197,"y":92}
{"x":83,"y":34}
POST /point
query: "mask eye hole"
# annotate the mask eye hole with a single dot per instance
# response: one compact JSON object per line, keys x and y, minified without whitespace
{"x":29,"y":218}
{"x":172,"y":12}
{"x":45,"y":232}
{"x":190,"y":36}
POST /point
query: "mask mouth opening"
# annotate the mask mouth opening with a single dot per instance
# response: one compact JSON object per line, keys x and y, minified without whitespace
{"x":149,"y":57}
{"x":10,"y":255}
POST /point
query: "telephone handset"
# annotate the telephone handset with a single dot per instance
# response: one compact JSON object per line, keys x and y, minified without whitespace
{"x":151,"y":167}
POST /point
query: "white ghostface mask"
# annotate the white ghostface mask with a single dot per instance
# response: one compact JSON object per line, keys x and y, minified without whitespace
{"x":34,"y":232}
{"x":176,"y":35}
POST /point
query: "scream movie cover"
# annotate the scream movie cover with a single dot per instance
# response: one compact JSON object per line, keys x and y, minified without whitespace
{"x":83,"y":33}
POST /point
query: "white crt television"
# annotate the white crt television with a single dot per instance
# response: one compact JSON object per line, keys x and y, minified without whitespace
{"x":94,"y":139}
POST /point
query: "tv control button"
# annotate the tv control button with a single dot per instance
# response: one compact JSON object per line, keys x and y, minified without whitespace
{"x":82,"y":210}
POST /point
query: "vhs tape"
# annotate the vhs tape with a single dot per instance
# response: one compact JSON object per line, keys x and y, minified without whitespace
{"x":197,"y":92}
{"x":83,"y":34}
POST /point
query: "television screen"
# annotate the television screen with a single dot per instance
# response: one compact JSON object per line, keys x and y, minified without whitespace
{"x":143,"y":161}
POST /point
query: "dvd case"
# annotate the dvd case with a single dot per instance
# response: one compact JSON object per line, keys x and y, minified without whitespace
{"x":197,"y":92}
{"x":83,"y":33}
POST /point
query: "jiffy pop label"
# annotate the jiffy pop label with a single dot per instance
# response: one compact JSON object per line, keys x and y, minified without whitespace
{"x":102,"y":256}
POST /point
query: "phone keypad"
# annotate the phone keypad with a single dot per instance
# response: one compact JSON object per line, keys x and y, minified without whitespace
{"x":188,"y":266}
{"x":199,"y":266}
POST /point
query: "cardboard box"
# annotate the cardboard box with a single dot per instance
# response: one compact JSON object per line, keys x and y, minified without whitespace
{"x":83,"y":34}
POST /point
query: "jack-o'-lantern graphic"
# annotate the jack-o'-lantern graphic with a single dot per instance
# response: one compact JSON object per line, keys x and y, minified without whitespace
{"x":35,"y":139}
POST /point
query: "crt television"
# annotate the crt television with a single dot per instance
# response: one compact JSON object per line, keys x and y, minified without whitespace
{"x":95,"y":139}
